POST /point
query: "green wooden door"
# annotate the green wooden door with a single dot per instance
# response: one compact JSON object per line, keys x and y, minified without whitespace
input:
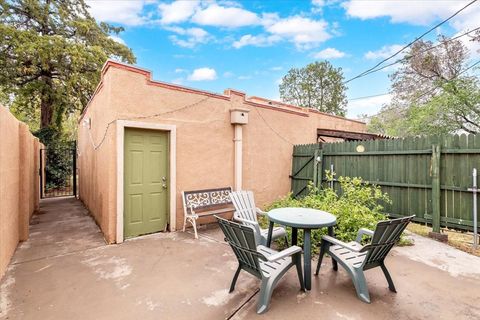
{"x":146,"y":182}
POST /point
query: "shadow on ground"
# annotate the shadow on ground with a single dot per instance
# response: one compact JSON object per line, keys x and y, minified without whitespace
{"x":65,"y":271}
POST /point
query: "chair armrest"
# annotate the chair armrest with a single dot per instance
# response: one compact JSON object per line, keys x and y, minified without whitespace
{"x":260,"y":212}
{"x":244,"y":220}
{"x":283,"y":254}
{"x":363,"y":232}
{"x":332,"y":240}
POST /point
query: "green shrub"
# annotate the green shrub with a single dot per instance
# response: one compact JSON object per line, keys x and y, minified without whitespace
{"x":59,"y":154}
{"x":358,"y":205}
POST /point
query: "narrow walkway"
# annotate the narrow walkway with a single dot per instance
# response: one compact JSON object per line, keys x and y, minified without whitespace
{"x":61,"y":227}
{"x":66,"y":271}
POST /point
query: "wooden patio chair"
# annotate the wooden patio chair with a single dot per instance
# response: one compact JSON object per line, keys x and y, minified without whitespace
{"x":356,"y":258}
{"x":246,"y":213}
{"x":264,"y":263}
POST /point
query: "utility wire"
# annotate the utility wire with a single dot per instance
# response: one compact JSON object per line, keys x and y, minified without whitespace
{"x":432,"y":89}
{"x":438,"y":86}
{"x":408,"y":58}
{"x":412,"y":42}
{"x":96,"y":146}
{"x":417,"y":54}
{"x":372,"y":96}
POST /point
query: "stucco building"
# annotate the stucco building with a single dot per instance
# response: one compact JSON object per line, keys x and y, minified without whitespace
{"x":137,"y":132}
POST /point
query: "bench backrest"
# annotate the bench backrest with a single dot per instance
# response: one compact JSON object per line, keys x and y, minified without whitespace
{"x":386,"y":234}
{"x":206,"y":198}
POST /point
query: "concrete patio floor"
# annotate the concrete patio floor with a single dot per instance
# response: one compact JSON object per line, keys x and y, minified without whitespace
{"x":65,"y":271}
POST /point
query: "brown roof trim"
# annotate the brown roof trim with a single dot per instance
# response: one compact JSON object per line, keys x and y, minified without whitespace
{"x":162,"y":84}
{"x":305,"y":109}
{"x":148,"y":75}
{"x":282,"y":107}
{"x":265,"y":106}
{"x":350,"y":135}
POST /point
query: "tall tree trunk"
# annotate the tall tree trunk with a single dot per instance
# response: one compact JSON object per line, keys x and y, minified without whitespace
{"x":46,"y":113}
{"x":46,"y":103}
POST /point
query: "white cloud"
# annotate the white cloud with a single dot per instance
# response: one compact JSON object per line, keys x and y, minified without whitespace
{"x":128,"y":12}
{"x":472,"y":46}
{"x":258,"y":41}
{"x":219,"y":16}
{"x":413,"y":12}
{"x":177,"y":11}
{"x":329,"y":53}
{"x":276,"y":68}
{"x":192,"y":36}
{"x":228,"y":74}
{"x":203,"y":74}
{"x":369,"y":106}
{"x":303,"y":32}
{"x":317,"y":6}
{"x":467,"y":19}
{"x":117,"y":39}
{"x":180,"y":70}
{"x":244,"y":77}
{"x":384,"y":52}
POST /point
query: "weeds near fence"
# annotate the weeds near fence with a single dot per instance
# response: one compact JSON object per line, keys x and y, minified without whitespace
{"x":358,"y":205}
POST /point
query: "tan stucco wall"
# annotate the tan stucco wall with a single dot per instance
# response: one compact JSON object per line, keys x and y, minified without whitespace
{"x":205,"y":147}
{"x":19,"y":184}
{"x":96,"y":168}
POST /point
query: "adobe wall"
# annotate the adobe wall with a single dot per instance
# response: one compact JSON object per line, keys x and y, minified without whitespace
{"x":205,"y":146}
{"x":97,"y":162}
{"x":19,"y":184}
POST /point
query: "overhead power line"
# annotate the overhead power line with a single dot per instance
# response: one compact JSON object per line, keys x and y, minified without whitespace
{"x":367,"y":97}
{"x":418,"y":53}
{"x":434,"y":88}
{"x":412,"y":42}
{"x":438,"y":86}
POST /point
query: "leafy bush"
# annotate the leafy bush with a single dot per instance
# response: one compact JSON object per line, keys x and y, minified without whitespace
{"x":59,"y":155}
{"x":358,"y":205}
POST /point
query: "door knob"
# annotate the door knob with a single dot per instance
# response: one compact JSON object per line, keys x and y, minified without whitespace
{"x":164,"y":186}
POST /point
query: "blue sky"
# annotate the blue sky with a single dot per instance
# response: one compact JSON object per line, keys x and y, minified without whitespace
{"x":250,"y":45}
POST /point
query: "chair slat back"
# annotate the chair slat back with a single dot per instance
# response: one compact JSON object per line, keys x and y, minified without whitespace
{"x":244,"y":204}
{"x":386,"y":234}
{"x":242,"y":240}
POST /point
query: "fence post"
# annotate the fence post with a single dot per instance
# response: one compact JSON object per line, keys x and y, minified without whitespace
{"x":319,"y":161}
{"x":74,"y":168}
{"x":436,"y":154}
{"x":315,"y":167}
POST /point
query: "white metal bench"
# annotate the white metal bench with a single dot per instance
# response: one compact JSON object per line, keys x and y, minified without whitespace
{"x":207,"y":202}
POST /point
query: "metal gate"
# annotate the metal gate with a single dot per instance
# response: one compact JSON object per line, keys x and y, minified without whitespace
{"x":58,"y":171}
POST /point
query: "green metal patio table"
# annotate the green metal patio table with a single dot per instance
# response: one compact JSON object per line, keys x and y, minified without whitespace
{"x":306,"y":219}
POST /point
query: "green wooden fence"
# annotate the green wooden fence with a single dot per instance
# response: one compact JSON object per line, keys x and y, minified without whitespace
{"x":425,"y":176}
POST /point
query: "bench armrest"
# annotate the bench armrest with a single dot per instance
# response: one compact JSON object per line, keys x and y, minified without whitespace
{"x":283,"y":254}
{"x":192,"y":212}
{"x":363,"y":232}
{"x":260,"y":212}
{"x":332,"y":240}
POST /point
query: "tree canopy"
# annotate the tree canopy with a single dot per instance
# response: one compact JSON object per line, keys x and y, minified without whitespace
{"x":319,"y":85}
{"x":51,"y":55}
{"x":432,"y":92}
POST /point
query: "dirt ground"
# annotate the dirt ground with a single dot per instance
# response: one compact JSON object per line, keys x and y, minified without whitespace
{"x":458,"y":239}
